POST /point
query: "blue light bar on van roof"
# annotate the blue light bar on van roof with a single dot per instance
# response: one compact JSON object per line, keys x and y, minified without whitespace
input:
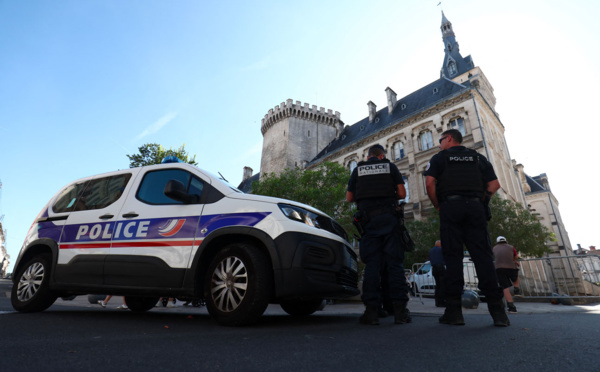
{"x":171,"y":159}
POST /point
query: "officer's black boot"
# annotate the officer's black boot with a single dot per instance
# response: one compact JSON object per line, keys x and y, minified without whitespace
{"x":401,"y":313}
{"x":370,"y":316}
{"x":496,"y":309}
{"x":440,"y":302}
{"x":453,"y":313}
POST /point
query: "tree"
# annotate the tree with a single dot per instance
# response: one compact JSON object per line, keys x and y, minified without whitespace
{"x":323,"y":188}
{"x":520,"y":228}
{"x":509,"y":219}
{"x":153,"y":153}
{"x":424,"y":233}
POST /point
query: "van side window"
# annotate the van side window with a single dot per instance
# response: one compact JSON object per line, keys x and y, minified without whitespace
{"x":102,"y":192}
{"x":152,"y":188}
{"x":69,"y":197}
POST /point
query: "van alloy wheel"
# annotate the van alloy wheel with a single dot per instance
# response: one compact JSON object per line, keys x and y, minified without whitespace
{"x":31,"y":292}
{"x":230,"y":283}
{"x":238,"y":285}
{"x":30,"y":282}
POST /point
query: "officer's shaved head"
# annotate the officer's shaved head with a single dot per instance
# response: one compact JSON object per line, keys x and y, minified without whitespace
{"x":455,"y":134}
{"x":376,"y":150}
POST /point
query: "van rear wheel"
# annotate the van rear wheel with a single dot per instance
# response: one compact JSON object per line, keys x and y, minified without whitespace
{"x":301,"y":308}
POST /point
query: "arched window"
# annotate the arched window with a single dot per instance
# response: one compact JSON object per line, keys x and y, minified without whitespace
{"x":352,"y":165}
{"x":426,"y":140}
{"x":398,"y":150}
{"x":459,"y":124}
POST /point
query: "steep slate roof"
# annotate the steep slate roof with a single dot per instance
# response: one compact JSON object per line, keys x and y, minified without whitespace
{"x":535,"y":184}
{"x":246,"y":185}
{"x":428,"y":96}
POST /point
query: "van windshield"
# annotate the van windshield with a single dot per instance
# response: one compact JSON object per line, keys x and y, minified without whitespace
{"x":424,"y":269}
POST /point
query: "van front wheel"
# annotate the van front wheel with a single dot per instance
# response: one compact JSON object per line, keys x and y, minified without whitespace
{"x":239,"y":283}
{"x":31,"y":291}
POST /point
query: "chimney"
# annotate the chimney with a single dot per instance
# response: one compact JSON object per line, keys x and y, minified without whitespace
{"x":372,"y":111}
{"x":247,"y":173}
{"x":544,"y":180}
{"x":391,"y":99}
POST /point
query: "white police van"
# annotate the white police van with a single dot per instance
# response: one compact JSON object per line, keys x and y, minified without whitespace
{"x":173,"y":230}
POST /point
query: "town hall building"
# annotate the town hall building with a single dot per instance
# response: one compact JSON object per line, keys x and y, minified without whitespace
{"x":409,"y":128}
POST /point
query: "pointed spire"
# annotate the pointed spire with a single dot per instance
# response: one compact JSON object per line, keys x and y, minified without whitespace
{"x":446,"y":26}
{"x":454,"y":64}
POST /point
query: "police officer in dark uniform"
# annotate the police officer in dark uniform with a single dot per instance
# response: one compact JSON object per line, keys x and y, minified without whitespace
{"x":458,"y":182}
{"x":376,"y":186}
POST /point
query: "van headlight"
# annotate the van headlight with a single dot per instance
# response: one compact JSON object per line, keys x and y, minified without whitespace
{"x":300,"y":215}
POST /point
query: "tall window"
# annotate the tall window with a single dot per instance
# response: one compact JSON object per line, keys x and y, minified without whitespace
{"x":452,"y":68}
{"x":407,"y":190}
{"x":352,"y":165}
{"x":426,"y":140}
{"x":398,"y":150}
{"x":459,"y":124}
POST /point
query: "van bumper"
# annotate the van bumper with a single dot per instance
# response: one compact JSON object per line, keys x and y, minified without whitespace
{"x":315,"y":267}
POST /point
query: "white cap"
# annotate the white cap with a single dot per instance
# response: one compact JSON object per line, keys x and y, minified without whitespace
{"x":500,"y":239}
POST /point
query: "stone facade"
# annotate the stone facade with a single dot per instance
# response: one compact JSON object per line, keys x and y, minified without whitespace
{"x":293,"y":134}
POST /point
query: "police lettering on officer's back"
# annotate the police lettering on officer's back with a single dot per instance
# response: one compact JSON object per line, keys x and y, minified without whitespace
{"x":366,"y":170}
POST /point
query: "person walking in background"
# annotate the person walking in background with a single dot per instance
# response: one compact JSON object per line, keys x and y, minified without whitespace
{"x":376,"y":185}
{"x":507,"y":270}
{"x":438,"y":268}
{"x":458,"y":180}
{"x":105,"y":301}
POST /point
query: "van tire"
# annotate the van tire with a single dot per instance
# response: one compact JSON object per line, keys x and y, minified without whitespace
{"x":301,"y":308}
{"x":238,"y":285}
{"x":31,"y":291}
{"x":140,"y":304}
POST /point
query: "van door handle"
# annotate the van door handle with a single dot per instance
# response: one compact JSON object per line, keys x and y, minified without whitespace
{"x":106,"y":216}
{"x":130,"y":215}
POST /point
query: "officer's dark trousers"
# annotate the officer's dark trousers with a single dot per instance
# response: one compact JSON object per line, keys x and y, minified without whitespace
{"x":380,"y":250}
{"x":463,"y":222}
{"x":439,"y":271}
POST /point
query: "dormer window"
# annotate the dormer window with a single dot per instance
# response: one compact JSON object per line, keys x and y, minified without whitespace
{"x":452,"y":69}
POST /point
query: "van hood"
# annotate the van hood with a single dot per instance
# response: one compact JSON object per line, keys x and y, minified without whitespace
{"x":273,"y":200}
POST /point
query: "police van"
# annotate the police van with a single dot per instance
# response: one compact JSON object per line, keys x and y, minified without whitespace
{"x":174,"y":230}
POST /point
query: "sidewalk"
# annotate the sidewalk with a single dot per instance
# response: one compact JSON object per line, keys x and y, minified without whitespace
{"x":426,"y":307}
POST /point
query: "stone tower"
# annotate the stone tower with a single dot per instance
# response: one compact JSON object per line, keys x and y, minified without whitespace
{"x":293,"y":134}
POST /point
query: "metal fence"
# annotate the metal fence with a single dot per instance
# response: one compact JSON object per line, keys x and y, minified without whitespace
{"x":567,"y":276}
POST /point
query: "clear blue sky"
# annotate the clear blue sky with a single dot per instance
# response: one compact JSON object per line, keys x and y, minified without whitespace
{"x":83,"y":83}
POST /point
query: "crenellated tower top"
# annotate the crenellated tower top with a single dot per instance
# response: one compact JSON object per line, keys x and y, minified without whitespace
{"x":289,"y":109}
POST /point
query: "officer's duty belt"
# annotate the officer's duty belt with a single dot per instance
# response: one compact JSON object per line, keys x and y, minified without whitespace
{"x":461,"y":197}
{"x":378,"y":211}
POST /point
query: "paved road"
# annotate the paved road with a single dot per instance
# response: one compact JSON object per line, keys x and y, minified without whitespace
{"x":75,"y":335}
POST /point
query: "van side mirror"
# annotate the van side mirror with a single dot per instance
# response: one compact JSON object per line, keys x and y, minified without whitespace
{"x":176,"y":191}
